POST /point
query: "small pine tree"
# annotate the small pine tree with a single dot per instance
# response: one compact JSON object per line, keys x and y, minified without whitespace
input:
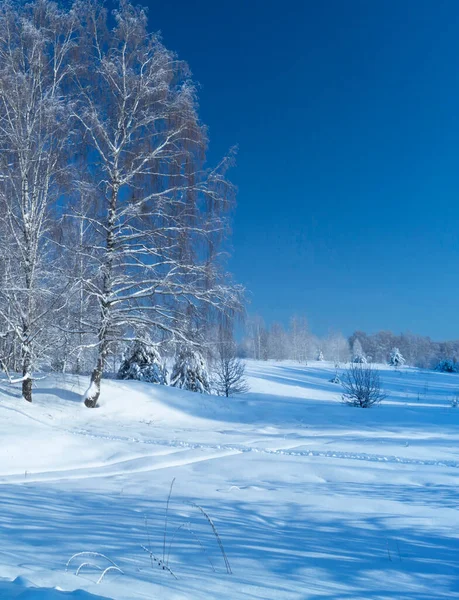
{"x":358,"y":357}
{"x":143,"y":363}
{"x":320,"y":356}
{"x":190,"y":371}
{"x":396,"y":358}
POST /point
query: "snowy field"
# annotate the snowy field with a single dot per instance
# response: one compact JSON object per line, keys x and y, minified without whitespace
{"x":312,"y":499}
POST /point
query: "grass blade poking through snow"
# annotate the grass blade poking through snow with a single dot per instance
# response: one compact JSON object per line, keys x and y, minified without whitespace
{"x":95,"y":554}
{"x":88,"y":564}
{"x":112,"y":568}
{"x":170,"y":543}
{"x":149,"y":539}
{"x":165,"y":520}
{"x":202,"y":546}
{"x":220,"y":543}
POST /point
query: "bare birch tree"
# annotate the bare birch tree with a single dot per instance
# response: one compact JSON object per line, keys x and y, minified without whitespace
{"x":35,"y":42}
{"x":161,"y":214}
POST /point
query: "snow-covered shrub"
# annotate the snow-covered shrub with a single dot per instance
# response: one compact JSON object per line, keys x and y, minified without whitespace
{"x":190,"y":371}
{"x":358,"y":356}
{"x":447,"y":365}
{"x":335,"y":379}
{"x":359,"y":359}
{"x":143,"y":363}
{"x":320,"y":356}
{"x":362,"y":386}
{"x":396,"y":358}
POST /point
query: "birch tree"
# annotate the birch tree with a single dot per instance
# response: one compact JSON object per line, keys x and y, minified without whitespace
{"x":35,"y":43}
{"x":160,"y":216}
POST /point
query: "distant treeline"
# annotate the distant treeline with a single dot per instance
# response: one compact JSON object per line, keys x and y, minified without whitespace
{"x":418,"y":350}
{"x":296,"y":342}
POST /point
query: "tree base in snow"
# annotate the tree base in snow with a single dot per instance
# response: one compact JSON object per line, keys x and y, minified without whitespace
{"x":90,"y":402}
{"x":27,"y":389}
{"x":92,"y":394}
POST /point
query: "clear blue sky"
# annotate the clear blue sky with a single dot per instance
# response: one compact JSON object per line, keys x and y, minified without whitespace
{"x":346,"y":113}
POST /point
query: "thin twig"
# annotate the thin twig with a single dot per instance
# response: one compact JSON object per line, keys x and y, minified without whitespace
{"x":159,"y":562}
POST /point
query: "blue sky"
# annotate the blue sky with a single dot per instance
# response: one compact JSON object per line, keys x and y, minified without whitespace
{"x":346,"y":114}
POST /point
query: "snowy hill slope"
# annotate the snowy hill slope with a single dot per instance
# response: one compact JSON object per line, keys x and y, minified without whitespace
{"x":311,"y":498}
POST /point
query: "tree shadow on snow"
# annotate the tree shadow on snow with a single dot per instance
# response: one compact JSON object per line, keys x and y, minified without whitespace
{"x":275,"y":550}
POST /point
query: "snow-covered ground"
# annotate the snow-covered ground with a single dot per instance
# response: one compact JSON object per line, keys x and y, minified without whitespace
{"x":312,"y":499}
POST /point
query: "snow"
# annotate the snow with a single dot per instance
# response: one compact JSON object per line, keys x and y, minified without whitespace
{"x":311,"y":498}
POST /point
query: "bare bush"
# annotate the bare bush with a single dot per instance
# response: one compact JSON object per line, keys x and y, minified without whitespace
{"x":362,"y":386}
{"x":229,"y":372}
